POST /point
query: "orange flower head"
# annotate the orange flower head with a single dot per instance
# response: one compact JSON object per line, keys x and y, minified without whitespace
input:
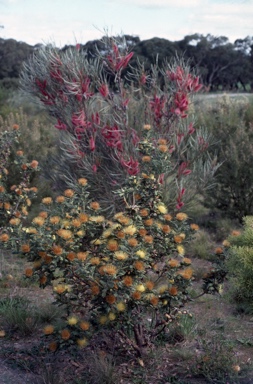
{"x":178,"y":239}
{"x":43,"y":280}
{"x":120,"y":235}
{"x":235,"y":233}
{"x":76,"y":223}
{"x":142,"y":232}
{"x":71,"y":256}
{"x":48,"y":329}
{"x":173,"y":263}
{"x":127,"y":281}
{"x":53,"y":346}
{"x":69,"y":193}
{"x":82,"y":256}
{"x":144,"y":212}
{"x":15,"y":127}
{"x":25,"y":248}
{"x":167,"y":217}
{"x":95,"y":205}
{"x":60,"y":199}
{"x":173,"y":291}
{"x":162,"y":141}
{"x":110,"y":299}
{"x":110,"y":269}
{"x":149,"y":222}
{"x":166,"y":229}
{"x":4,"y":237}
{"x":82,"y":181}
{"x":146,"y":159}
{"x":54,"y":219}
{"x":150,"y":285}
{"x":84,"y":325}
{"x":19,"y":153}
{"x":47,"y":200}
{"x":136,"y":295}
{"x":186,"y":273}
{"x":139,"y":265}
{"x":83,"y":217}
{"x":29,"y":272}
{"x":186,"y":260}
{"x":57,"y":250}
{"x":39,"y":221}
{"x":132,"y":242}
{"x":2,"y":189}
{"x":95,"y":260}
{"x":95,"y":289}
{"x":218,"y":251}
{"x":65,"y":234}
{"x":112,"y":245}
{"x":34,"y":164}
{"x":194,"y":227}
{"x":163,"y":148}
{"x":14,"y":221}
{"x":181,"y":216}
{"x":48,"y":259}
{"x":7,"y":206}
{"x":65,"y":334}
{"x":43,"y":214}
{"x":154,"y":301}
{"x":148,"y":239}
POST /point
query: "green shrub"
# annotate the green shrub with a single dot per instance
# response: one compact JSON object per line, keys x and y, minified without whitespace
{"x":228,"y":121}
{"x":240,"y":266}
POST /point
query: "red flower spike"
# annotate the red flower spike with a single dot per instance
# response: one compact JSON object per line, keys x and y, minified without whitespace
{"x":61,"y":126}
{"x":103,"y":90}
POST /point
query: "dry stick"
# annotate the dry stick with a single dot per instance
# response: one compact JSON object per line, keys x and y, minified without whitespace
{"x":130,"y":342}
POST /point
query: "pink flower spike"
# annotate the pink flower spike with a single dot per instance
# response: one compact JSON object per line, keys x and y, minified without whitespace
{"x":94,"y":168}
{"x":61,"y":126}
{"x":78,"y":46}
{"x":103,"y":90}
{"x":92,"y":144}
{"x":191,"y":130}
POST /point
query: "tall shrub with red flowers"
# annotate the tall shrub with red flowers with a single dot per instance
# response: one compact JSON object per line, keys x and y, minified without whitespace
{"x":100,"y":106}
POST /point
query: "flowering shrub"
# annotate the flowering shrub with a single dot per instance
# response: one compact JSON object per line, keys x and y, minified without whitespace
{"x":118,"y":273}
{"x":15,"y":199}
{"x":109,"y":246}
{"x":100,"y":113}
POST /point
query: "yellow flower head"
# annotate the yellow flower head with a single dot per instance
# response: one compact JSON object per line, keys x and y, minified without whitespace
{"x":120,"y":255}
{"x":130,"y":230}
{"x":73,"y":320}
{"x":161,"y":208}
{"x":121,"y":306}
{"x":181,"y":250}
{"x":141,"y":254}
{"x":140,"y":288}
{"x":82,"y":342}
{"x":111,"y":316}
{"x":97,"y":219}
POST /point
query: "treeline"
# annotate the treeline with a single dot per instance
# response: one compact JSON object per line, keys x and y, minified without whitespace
{"x":220,"y":64}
